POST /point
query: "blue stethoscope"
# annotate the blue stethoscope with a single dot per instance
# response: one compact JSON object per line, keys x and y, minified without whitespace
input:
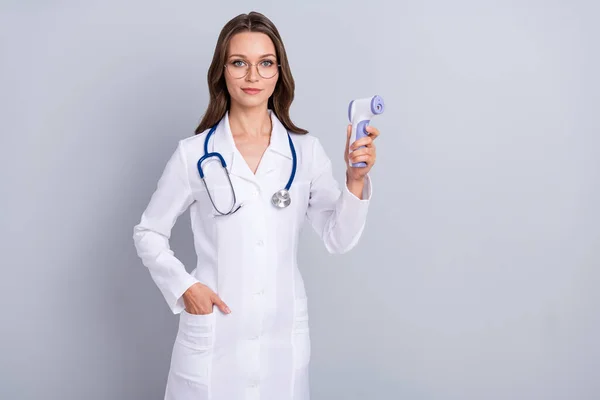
{"x":280,"y":199}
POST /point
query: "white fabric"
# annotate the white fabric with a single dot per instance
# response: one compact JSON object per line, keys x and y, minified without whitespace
{"x":262,"y":349}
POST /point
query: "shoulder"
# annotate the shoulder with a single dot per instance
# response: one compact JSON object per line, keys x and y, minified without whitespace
{"x":305,"y":142}
{"x":311,"y":153}
{"x":311,"y":145}
{"x":194,"y":140}
{"x":307,"y":146}
{"x":192,"y":146}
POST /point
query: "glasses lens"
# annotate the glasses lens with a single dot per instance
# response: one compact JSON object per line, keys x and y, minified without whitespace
{"x":267,"y":69}
{"x":237,"y":69}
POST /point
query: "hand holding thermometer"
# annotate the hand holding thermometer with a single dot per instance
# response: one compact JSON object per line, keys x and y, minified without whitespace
{"x":360,"y":113}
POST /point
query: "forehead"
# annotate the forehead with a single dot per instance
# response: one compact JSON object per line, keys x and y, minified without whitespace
{"x":251,"y":44}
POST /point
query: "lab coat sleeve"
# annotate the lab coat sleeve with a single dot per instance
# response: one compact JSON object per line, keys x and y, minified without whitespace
{"x":337,"y":215}
{"x":151,"y":236}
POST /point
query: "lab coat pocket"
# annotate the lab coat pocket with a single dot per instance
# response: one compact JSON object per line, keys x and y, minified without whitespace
{"x":301,"y":334}
{"x":196,"y":331}
{"x":192,"y":352}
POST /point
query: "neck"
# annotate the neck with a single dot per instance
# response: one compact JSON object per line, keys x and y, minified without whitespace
{"x":251,"y":122}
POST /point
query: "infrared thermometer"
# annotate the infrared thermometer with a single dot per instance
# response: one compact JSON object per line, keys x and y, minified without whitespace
{"x":360,"y":112}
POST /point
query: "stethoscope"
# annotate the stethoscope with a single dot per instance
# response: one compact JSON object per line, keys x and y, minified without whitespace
{"x":280,"y":198}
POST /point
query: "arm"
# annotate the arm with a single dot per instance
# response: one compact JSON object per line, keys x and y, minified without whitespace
{"x":151,"y":236}
{"x":338,"y":216}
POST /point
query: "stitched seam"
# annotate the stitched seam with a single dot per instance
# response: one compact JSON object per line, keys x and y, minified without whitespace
{"x":187,"y":174}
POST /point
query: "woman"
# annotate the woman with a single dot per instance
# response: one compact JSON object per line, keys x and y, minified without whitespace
{"x":255,"y":344}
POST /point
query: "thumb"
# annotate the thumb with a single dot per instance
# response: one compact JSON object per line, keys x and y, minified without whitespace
{"x":221,"y":304}
{"x":348,"y":134}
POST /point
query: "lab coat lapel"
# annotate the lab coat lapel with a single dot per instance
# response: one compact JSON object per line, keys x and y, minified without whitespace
{"x":278,"y":154}
{"x":224,"y":144}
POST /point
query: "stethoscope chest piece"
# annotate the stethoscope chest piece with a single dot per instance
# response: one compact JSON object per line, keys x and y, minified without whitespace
{"x":281,"y":198}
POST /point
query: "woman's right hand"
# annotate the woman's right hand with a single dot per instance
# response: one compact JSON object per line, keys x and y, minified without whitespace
{"x":199,"y":300}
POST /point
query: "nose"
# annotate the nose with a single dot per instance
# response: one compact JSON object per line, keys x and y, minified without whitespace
{"x":253,"y":69}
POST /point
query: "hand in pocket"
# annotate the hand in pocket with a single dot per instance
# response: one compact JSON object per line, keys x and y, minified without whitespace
{"x":199,"y":299}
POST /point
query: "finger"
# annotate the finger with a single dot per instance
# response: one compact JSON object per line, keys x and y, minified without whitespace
{"x":365,"y":158}
{"x":365,"y":141}
{"x":362,"y":150}
{"x":221,"y":304}
{"x":373,"y":132}
{"x":348,"y":134}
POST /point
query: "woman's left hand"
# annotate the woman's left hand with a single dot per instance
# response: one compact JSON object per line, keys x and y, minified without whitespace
{"x":366,"y":154}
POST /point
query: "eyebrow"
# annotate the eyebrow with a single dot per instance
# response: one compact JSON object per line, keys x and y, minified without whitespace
{"x":243,"y":56}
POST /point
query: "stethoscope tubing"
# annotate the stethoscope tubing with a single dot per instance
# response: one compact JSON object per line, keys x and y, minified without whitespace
{"x":208,"y":155}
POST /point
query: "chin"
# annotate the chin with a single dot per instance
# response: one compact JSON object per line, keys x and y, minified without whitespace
{"x":252,"y":102}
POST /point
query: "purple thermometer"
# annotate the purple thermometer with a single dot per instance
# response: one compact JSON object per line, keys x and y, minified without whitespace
{"x":360,"y":113}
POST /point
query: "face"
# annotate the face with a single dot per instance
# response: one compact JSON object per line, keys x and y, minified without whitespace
{"x":244,"y":49}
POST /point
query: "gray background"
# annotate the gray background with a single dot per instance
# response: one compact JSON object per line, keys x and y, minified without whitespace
{"x":477,"y":274}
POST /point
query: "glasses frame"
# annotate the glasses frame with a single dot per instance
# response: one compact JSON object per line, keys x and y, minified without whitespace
{"x":250,"y":65}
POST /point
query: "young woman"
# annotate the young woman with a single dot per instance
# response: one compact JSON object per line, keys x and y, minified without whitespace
{"x":255,"y":343}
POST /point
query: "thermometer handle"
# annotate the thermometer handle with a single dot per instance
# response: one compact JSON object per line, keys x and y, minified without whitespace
{"x":358,"y":132}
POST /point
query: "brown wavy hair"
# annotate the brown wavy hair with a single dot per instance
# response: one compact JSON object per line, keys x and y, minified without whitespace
{"x":282,"y":97}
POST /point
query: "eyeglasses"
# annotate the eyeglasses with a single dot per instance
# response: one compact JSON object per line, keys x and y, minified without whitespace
{"x":239,"y":68}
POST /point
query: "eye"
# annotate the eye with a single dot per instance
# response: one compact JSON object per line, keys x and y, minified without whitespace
{"x":267,"y":63}
{"x":236,"y":63}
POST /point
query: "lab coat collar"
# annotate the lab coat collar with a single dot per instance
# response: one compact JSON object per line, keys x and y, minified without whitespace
{"x":279,"y":137}
{"x":279,"y":146}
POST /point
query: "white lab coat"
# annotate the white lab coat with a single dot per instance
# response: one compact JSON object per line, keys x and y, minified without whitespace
{"x":262,"y":349}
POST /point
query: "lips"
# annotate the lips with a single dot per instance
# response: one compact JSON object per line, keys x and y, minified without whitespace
{"x":251,"y":90}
